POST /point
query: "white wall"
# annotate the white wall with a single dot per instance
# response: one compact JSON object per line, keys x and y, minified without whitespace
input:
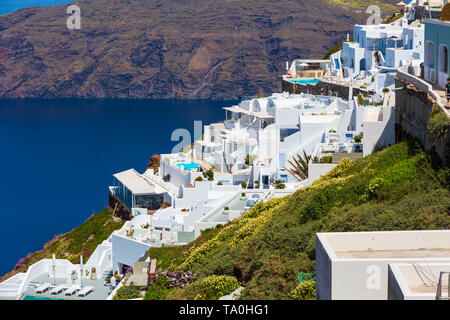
{"x":126,"y":250}
{"x":316,"y":170}
{"x":381,"y":132}
{"x":367,"y":278}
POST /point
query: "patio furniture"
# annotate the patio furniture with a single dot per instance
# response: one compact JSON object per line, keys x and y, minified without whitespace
{"x":58,"y":289}
{"x":85,"y":291}
{"x":72,"y":290}
{"x":44,"y":287}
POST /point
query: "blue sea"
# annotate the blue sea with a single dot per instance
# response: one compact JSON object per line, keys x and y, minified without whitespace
{"x":7,"y":6}
{"x":58,"y":157}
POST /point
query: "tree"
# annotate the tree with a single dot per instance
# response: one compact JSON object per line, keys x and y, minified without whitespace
{"x":299,"y":168}
{"x":279,"y":184}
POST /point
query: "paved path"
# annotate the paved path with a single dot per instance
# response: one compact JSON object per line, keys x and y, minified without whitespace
{"x":441,"y":93}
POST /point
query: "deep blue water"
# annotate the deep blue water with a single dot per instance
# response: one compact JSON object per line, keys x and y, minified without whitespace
{"x":7,"y":6}
{"x":58,"y":157}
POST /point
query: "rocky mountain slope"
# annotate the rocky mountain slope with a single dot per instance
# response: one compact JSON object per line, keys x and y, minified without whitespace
{"x":167,"y":48}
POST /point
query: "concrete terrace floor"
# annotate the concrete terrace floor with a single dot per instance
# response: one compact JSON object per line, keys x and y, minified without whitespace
{"x":101,"y":292}
{"x":441,"y":93}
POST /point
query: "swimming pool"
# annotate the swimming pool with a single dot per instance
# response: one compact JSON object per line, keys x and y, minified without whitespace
{"x":28,"y":297}
{"x":306,"y":81}
{"x":188,"y":165}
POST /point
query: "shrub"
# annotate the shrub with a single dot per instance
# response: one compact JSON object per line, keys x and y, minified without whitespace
{"x":157,"y":289}
{"x":385,"y":90}
{"x":304,"y":291}
{"x":226,"y":208}
{"x":219,"y":183}
{"x":438,"y":124}
{"x":126,"y":293}
{"x":209,"y":175}
{"x":198,"y":179}
{"x":357,"y":139}
{"x":214,"y":287}
{"x":244,"y":185}
{"x":279,"y":184}
{"x":326,"y":159}
{"x":360,"y":100}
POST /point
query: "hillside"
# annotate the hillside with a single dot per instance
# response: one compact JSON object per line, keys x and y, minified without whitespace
{"x":172,"y":48}
{"x":82,"y":240}
{"x":398,"y":188}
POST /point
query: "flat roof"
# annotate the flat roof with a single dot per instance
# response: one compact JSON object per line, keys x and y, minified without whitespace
{"x":262,"y":115}
{"x":420,"y":279}
{"x":387,"y":244}
{"x":134,"y":182}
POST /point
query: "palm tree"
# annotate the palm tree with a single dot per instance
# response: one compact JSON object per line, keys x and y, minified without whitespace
{"x":299,"y":168}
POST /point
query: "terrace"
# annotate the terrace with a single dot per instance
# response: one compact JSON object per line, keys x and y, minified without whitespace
{"x":100,"y":288}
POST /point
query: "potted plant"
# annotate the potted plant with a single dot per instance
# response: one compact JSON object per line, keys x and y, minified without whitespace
{"x":243,"y":196}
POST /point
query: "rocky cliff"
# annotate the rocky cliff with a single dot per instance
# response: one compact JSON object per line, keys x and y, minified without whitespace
{"x":166,"y":48}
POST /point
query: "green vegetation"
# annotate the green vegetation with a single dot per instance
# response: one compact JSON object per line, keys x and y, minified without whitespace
{"x":279,"y":184}
{"x":438,"y":124}
{"x":357,"y":139}
{"x":198,"y":179}
{"x":219,"y":183}
{"x":304,"y":291}
{"x":127,"y":293}
{"x":174,"y":255}
{"x":157,"y":290}
{"x":209,"y":175}
{"x":299,"y":168}
{"x":326,"y":159}
{"x":397,"y":188}
{"x":360,"y":100}
{"x":244,"y":185}
{"x":209,"y":288}
{"x":394,"y":17}
{"x":80,"y":241}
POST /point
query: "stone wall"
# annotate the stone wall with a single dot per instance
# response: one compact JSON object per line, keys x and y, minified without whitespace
{"x":414,"y":101}
{"x":322,"y":87}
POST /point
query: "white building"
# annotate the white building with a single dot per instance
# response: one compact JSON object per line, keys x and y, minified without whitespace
{"x":377,"y":51}
{"x":354,"y":265}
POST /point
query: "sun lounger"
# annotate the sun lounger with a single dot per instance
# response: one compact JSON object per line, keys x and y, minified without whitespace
{"x":44,"y":287}
{"x":85,"y":291}
{"x":58,"y":289}
{"x":72,"y":290}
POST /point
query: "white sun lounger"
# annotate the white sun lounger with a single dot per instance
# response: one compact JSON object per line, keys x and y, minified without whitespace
{"x":85,"y":291}
{"x":58,"y":289}
{"x":72,"y":290}
{"x":43,"y":287}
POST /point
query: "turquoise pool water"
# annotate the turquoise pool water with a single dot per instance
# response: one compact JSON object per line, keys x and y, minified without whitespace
{"x":40,"y":298}
{"x":306,"y":81}
{"x":188,"y":165}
